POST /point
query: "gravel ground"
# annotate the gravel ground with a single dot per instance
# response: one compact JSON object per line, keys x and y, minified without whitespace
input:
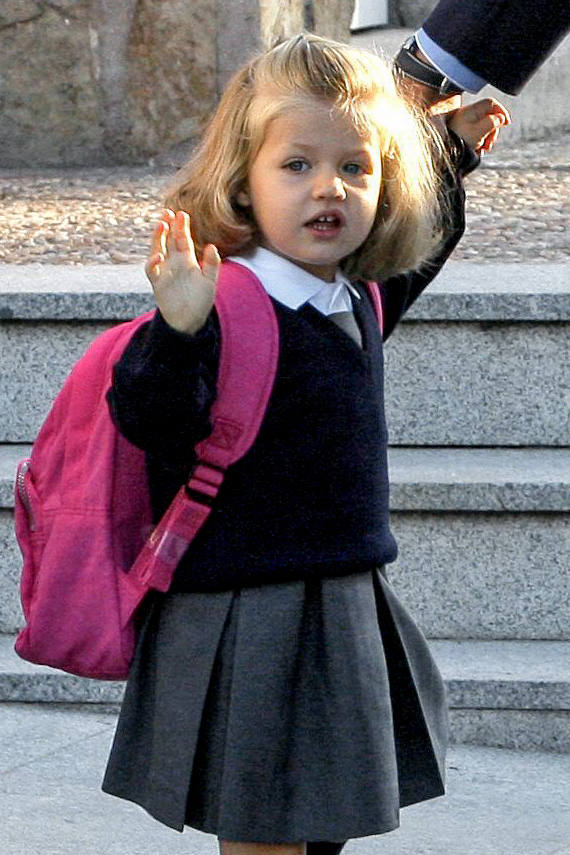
{"x":518,"y":209}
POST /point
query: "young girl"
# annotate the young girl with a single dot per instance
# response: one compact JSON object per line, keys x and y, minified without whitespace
{"x":281,"y":697}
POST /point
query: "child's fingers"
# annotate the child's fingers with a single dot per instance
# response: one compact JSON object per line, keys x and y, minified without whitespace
{"x":490,"y":124}
{"x":211,"y":262}
{"x":158,"y":252}
{"x":479,"y":123}
{"x":487,"y":122}
{"x":488,"y":132}
{"x":490,"y":116}
{"x":159,"y":240}
{"x":182,"y":237}
{"x":487,"y":107}
{"x":499,"y":109}
{"x":487,"y":144}
{"x":152,"y":267}
{"x":490,"y":140}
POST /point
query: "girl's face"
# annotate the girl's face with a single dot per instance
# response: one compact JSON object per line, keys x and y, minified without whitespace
{"x":314,"y":187}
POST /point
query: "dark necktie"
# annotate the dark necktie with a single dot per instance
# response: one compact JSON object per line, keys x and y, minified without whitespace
{"x":346,"y":321}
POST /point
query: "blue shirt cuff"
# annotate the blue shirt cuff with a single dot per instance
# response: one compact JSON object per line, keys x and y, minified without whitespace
{"x":449,"y":65}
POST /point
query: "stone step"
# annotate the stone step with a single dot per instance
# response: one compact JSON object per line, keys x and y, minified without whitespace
{"x":503,"y":693}
{"x":481,"y":360}
{"x":508,"y":694}
{"x":476,"y":363}
{"x":484,"y":539}
{"x":483,"y":536}
{"x":529,"y":675}
{"x":444,"y":479}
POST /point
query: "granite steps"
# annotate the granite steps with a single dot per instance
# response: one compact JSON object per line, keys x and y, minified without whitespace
{"x":459,"y":369}
{"x":472,"y":516}
{"x":481,"y":482}
{"x":507,"y":694}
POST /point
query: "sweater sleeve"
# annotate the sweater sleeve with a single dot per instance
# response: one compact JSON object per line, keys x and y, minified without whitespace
{"x":164,"y":386}
{"x":400,"y":292}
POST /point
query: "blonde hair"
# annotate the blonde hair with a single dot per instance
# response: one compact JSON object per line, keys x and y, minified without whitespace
{"x":359,"y":84}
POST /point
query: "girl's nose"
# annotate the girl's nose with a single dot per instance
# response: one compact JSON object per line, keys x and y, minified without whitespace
{"x":329,"y":187}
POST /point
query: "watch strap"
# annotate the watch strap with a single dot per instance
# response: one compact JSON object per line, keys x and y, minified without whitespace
{"x":409,"y":64}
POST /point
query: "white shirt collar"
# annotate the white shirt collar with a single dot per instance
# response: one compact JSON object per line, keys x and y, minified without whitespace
{"x":291,"y":285}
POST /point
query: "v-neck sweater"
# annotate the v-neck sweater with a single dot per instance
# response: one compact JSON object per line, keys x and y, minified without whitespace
{"x":311,"y":496}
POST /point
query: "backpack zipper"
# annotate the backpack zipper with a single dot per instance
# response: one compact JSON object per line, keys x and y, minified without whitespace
{"x":23,"y":493}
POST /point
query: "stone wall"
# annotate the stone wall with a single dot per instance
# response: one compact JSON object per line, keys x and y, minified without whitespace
{"x":171,"y":72}
{"x":410,"y":13}
{"x":123,"y":81}
{"x":103,"y":80}
{"x":332,"y":19}
{"x":48,"y":99}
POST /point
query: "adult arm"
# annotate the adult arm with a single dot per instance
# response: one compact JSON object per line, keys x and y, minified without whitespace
{"x":502,"y":42}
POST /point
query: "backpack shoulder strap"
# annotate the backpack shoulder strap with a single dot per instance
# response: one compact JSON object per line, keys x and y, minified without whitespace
{"x":247,"y":369}
{"x":376,"y":297}
{"x":248,"y":365}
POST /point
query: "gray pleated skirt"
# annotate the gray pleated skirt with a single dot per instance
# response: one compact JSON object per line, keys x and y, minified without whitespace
{"x":302,"y":711}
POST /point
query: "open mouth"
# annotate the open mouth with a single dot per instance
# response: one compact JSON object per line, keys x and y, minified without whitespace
{"x":325,"y":222}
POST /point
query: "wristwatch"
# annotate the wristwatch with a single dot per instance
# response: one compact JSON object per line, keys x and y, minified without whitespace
{"x":409,"y":64}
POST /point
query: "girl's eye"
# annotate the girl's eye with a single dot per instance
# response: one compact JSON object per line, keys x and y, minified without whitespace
{"x":297,"y":165}
{"x":353,"y":168}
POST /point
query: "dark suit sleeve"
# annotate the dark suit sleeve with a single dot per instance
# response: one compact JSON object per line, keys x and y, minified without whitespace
{"x":400,"y":292}
{"x":503,"y":41}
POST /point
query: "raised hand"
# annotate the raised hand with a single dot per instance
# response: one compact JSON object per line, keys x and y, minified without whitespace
{"x":184,"y":290}
{"x":479,"y":123}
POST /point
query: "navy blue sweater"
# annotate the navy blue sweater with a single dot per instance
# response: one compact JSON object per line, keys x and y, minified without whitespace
{"x":311,"y":496}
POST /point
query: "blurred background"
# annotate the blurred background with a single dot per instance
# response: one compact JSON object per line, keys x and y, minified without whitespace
{"x":103,"y":82}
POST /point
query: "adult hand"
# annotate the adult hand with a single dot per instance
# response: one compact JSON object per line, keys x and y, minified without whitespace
{"x":184,"y":290}
{"x":427,"y":97}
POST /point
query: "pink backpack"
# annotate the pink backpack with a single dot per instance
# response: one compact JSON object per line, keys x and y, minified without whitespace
{"x":82,"y":508}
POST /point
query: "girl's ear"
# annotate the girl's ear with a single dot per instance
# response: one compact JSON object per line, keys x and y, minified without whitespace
{"x":243,"y":199}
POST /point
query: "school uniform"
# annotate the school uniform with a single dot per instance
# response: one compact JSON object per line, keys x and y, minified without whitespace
{"x":280,"y":690}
